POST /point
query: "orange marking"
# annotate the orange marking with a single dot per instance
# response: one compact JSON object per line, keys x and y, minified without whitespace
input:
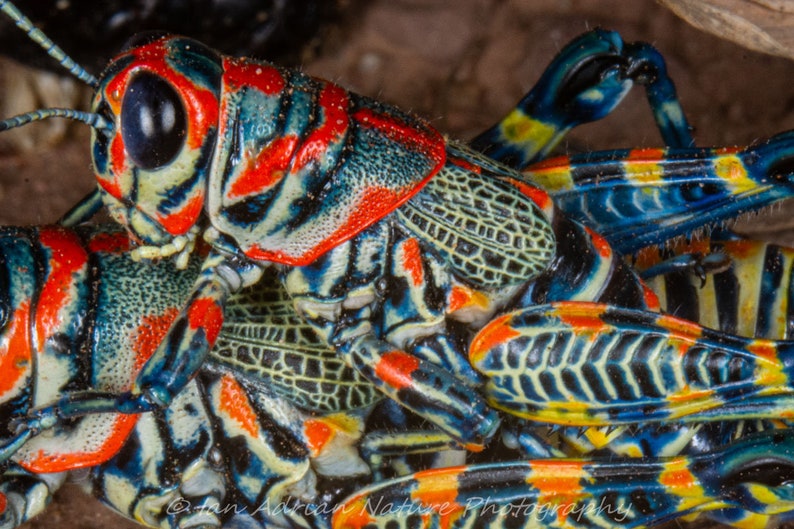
{"x":318,"y":434}
{"x":412,"y":261}
{"x":234,"y":402}
{"x":771,"y":370}
{"x":651,"y":154}
{"x":67,"y":259}
{"x":266,"y":170}
{"x":581,"y":315}
{"x":680,"y":328}
{"x":396,"y":368}
{"x":16,"y":351}
{"x":650,"y":298}
{"x":459,"y":297}
{"x":180,"y":222}
{"x":462,"y":296}
{"x":353,"y":514}
{"x":46,"y":462}
{"x":205,"y":313}
{"x":600,"y":244}
{"x":764,"y":349}
{"x":678,"y":477}
{"x":687,"y":394}
{"x":437,"y":489}
{"x":537,"y":195}
{"x":149,"y":334}
{"x":334,"y":101}
{"x":495,"y":333}
{"x":558,"y":483}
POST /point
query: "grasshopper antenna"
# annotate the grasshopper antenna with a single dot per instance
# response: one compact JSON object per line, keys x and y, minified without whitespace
{"x":52,"y":49}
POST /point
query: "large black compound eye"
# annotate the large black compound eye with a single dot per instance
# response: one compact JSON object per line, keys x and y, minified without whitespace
{"x":153,"y":124}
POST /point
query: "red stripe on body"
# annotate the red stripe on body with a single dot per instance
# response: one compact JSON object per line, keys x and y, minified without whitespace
{"x":68,"y":258}
{"x":334,"y":102}
{"x":206,"y":314}
{"x":234,"y":402}
{"x":16,"y":349}
{"x":179,"y":222}
{"x":396,"y":369}
{"x":263,"y":172}
{"x":43,"y":462}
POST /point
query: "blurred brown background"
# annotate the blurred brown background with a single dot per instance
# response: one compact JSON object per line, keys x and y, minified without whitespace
{"x":462,"y":64}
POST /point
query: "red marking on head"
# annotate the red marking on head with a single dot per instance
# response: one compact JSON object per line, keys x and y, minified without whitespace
{"x":201,"y":104}
{"x":112,"y":243}
{"x":235,"y":403}
{"x":150,"y":334}
{"x":3,"y":503}
{"x":270,"y":165}
{"x":68,"y":258}
{"x":318,"y":434}
{"x":180,"y":222}
{"x":119,"y":426}
{"x":396,"y":368}
{"x":16,"y":350}
{"x":118,"y":164}
{"x":238,"y":73}
{"x":206,"y":314}
{"x":334,"y":102}
{"x":600,"y":244}
{"x":412,"y":261}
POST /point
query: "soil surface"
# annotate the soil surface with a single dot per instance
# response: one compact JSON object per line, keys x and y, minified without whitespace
{"x":462,"y":64}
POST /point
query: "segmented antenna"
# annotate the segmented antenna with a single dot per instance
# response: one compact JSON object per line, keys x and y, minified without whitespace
{"x":94,"y":120}
{"x":52,"y":49}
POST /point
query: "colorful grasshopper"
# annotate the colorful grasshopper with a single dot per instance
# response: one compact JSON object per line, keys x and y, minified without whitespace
{"x":385,"y":235}
{"x":379,"y":277}
{"x":228,"y":439}
{"x":233,"y":449}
